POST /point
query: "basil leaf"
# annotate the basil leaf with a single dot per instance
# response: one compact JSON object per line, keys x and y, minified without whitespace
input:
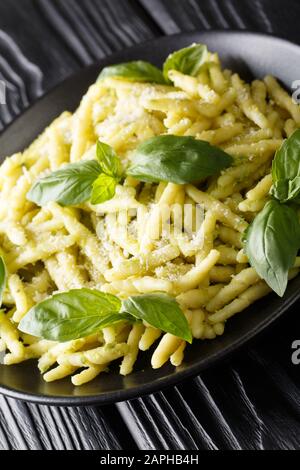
{"x":160,"y":311}
{"x":136,"y":71}
{"x":3,"y":277}
{"x":69,"y":186}
{"x":287,"y":190}
{"x":104,"y":188}
{"x":72,"y":315}
{"x":272,"y":243}
{"x":286,"y":169}
{"x":108,"y":160}
{"x":188,"y":60}
{"x":177,"y":159}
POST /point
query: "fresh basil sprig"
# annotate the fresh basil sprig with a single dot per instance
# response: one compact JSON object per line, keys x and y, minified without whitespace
{"x":286,"y":170}
{"x":188,"y":60}
{"x":177,"y":159}
{"x":71,"y":315}
{"x":137,"y":71}
{"x":3,"y":278}
{"x":81,"y":312}
{"x":272,"y":243}
{"x":160,"y":311}
{"x":78,"y":182}
{"x":69,"y":186}
{"x":163,"y":158}
{"x":273,"y":239}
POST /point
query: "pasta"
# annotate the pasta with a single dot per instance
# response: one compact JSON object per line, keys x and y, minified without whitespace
{"x":150,"y":236}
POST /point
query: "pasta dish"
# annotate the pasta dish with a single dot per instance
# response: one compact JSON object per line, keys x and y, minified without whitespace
{"x":165,"y":204}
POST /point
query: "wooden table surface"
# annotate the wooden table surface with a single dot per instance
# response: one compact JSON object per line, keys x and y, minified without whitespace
{"x":251,"y":401}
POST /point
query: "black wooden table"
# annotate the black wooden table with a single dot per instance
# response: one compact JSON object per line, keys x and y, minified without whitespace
{"x":250,"y":402}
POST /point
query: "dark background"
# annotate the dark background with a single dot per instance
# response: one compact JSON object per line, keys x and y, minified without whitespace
{"x":251,"y":401}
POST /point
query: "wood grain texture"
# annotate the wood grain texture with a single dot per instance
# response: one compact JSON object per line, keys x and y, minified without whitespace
{"x":277,"y":17}
{"x":250,"y":402}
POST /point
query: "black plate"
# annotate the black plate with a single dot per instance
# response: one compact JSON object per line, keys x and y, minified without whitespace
{"x":250,"y":54}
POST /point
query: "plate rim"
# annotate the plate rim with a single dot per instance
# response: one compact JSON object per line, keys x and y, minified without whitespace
{"x":215,"y":358}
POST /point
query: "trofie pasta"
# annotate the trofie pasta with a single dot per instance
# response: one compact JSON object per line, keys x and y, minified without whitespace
{"x":136,"y":221}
